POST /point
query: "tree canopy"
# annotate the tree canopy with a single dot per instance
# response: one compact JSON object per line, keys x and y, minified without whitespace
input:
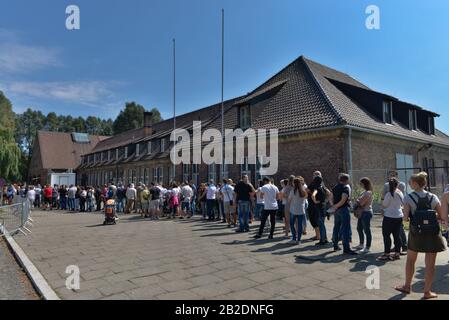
{"x":132,"y":117}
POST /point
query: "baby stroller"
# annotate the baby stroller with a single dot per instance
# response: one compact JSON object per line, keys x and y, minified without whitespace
{"x":109,"y":213}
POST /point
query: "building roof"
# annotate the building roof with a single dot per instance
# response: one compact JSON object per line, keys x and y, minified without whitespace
{"x":301,"y":97}
{"x":58,"y":151}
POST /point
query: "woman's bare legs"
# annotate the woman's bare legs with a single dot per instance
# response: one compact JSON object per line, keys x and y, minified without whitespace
{"x":409,"y":272}
{"x":429,"y":275}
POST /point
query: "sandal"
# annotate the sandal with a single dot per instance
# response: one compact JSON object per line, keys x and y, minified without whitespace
{"x":395,"y":257}
{"x":403,"y":289}
{"x":385,"y":257}
{"x":430,"y":295}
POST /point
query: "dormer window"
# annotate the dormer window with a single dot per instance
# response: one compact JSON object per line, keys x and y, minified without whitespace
{"x":116,"y":153}
{"x":149,"y":147}
{"x":245,"y":117}
{"x":137,"y":149}
{"x":413,"y":120}
{"x":162,"y":145}
{"x":431,"y":125}
{"x":387,"y":111}
{"x":126,"y":152}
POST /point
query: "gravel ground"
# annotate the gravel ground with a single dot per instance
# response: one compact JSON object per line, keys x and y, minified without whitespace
{"x":14,"y":283}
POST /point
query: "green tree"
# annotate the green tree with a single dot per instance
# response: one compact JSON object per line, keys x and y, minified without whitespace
{"x":51,"y":122}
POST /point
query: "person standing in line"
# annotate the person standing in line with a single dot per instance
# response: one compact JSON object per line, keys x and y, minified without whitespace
{"x":227,"y":192}
{"x":90,"y":198}
{"x":155,"y":196}
{"x":428,"y":240}
{"x":138,"y":203}
{"x":187,"y":195}
{"x":63,"y":197}
{"x":220,"y":205}
{"x":120,"y":195}
{"x":402,"y":187}
{"x":131,"y":194}
{"x":270,"y":195}
{"x":31,"y":196}
{"x":202,"y":199}
{"x":391,"y":224}
{"x":54,"y":197}
{"x":365,"y":201}
{"x":317,"y":203}
{"x":194,"y":198}
{"x":211,"y":195}
{"x":98,"y":197}
{"x":48,"y":197}
{"x":259,"y":202}
{"x":144,"y":201}
{"x":342,"y":217}
{"x":296,"y":203}
{"x":38,"y":190}
{"x":285,"y":193}
{"x":243,"y":192}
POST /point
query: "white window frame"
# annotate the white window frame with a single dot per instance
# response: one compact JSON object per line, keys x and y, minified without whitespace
{"x":137,"y":149}
{"x":162,"y":145}
{"x":149,"y":147}
{"x":412,"y":120}
{"x":245,"y":124}
{"x":126,"y":152}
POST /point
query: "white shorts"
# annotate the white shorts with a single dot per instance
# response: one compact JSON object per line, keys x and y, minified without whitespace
{"x":154,"y":204}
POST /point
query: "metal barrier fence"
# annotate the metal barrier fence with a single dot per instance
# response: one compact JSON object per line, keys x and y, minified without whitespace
{"x":15,"y":218}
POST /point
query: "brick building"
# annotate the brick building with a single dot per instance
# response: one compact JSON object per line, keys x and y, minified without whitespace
{"x":326,"y":121}
{"x":58,"y":152}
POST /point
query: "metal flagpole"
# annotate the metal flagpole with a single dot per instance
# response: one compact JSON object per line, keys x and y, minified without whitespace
{"x":222,"y":97}
{"x":174,"y":103}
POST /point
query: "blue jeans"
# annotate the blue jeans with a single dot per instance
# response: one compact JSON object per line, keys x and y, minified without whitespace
{"x":89,"y":204}
{"x":243,"y":210}
{"x":322,"y":227}
{"x":121,"y":205}
{"x":258,"y":210}
{"x":193,"y":207}
{"x":71,"y":204}
{"x":342,"y":223}
{"x":210,"y":203}
{"x":63,"y":203}
{"x":296,"y":234}
{"x":364,"y":228}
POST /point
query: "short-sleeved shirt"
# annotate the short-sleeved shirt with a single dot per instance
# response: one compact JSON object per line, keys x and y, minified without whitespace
{"x":270,"y":192}
{"x":211,"y":192}
{"x":228,"y":193}
{"x":338,"y":192}
{"x":401,"y":187}
{"x":422,"y":194}
{"x":243,"y":191}
{"x":48,"y":192}
{"x":155,"y":193}
{"x":144,"y":195}
{"x":286,"y":191}
{"x":187,"y":193}
{"x":297,"y":203}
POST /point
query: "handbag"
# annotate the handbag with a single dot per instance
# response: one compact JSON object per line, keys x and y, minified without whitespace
{"x":358,"y":210}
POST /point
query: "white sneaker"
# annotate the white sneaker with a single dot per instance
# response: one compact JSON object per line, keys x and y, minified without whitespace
{"x":292,"y":242}
{"x":359,"y":247}
{"x":364,"y":250}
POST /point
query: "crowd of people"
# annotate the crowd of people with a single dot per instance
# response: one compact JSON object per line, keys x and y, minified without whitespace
{"x":294,"y":204}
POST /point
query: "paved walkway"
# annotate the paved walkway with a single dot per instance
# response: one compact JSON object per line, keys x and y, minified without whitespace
{"x":190,"y":259}
{"x":14,"y":283}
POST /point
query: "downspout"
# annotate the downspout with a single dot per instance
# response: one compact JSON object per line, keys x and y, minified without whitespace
{"x":349,"y":150}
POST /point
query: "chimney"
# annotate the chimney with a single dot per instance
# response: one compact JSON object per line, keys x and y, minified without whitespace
{"x":148,"y":123}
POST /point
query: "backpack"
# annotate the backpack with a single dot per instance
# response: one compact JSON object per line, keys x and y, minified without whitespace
{"x":424,"y":219}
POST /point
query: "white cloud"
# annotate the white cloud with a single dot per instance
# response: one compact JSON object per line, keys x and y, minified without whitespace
{"x":89,"y":93}
{"x":18,"y":58}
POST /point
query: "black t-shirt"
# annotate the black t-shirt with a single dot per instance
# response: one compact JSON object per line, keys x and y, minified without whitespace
{"x":243,"y":191}
{"x":62,"y":192}
{"x":338,"y":192}
{"x":155,"y":193}
{"x":321,"y":193}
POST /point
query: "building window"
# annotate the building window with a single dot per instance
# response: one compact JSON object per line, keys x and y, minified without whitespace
{"x":224,"y":171}
{"x":185,"y":172}
{"x":244,"y":167}
{"x":160,"y":175}
{"x":137,"y":149}
{"x":149,"y":147}
{"x":387,"y":111}
{"x":116,"y":153}
{"x":431,"y":125}
{"x":212,"y":172}
{"x":413,"y":120}
{"x":245,"y":117}
{"x":195,"y":173}
{"x":126,"y":152}
{"x":162,"y":145}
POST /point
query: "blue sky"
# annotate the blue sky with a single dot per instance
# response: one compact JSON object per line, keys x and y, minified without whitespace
{"x":123,"y":50}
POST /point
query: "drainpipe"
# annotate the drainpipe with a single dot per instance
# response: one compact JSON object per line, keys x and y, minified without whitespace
{"x":349,"y":150}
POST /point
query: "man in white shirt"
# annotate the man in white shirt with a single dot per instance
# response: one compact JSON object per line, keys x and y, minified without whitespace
{"x":227,"y":192}
{"x":270,"y":195}
{"x":211,"y":199}
{"x":131,"y":195}
{"x":31,"y":196}
{"x":187,"y":194}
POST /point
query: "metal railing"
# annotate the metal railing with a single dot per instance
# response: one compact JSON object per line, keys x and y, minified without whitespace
{"x":15,"y":218}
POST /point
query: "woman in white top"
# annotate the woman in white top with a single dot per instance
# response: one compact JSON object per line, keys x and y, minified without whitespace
{"x":31,"y":195}
{"x":391,"y":224}
{"x":259,"y":202}
{"x":297,"y":204}
{"x":429,"y":243}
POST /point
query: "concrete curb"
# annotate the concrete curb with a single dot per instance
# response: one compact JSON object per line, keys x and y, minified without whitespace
{"x":38,"y":281}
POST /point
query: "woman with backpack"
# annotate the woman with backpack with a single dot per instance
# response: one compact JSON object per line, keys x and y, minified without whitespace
{"x":421,"y":208}
{"x":391,"y":224}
